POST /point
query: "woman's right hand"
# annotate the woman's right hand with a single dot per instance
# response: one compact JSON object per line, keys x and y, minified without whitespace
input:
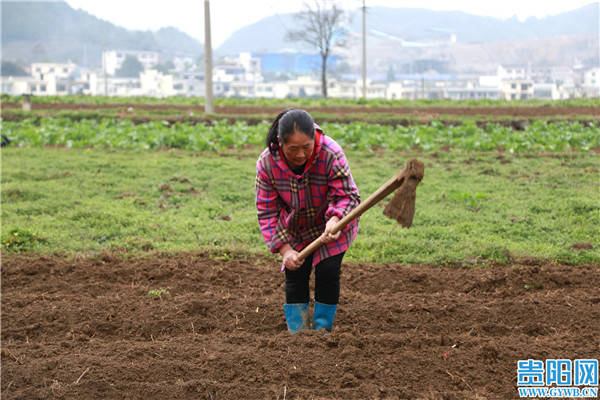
{"x":290,"y":259}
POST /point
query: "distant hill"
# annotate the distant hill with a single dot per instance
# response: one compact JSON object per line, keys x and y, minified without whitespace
{"x":30,"y":33}
{"x":414,"y":24}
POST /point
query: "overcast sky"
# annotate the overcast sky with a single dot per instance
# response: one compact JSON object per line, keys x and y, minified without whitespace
{"x":229,"y":15}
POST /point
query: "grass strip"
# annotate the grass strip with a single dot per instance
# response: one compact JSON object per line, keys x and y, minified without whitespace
{"x":302,"y":102}
{"x":471,"y":208}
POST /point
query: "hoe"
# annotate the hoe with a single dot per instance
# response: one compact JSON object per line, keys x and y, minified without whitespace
{"x":401,"y":207}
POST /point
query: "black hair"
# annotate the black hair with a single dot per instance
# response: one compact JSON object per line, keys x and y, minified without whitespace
{"x":286,"y":123}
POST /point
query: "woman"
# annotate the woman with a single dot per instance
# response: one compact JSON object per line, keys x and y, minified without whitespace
{"x":303,"y":188}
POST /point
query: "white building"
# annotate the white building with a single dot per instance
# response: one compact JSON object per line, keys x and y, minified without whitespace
{"x":42,"y":70}
{"x":546,"y":91}
{"x":343,"y":89}
{"x":472,"y":93}
{"x":516,"y":89}
{"x":591,"y":78}
{"x":112,"y":60}
{"x":156,"y":84}
{"x":398,"y":90}
{"x":18,"y":85}
{"x":375,"y":90}
{"x":305,"y":86}
{"x":50,"y":80}
{"x":272,"y":90}
{"x":229,"y":73}
{"x":252,"y":67}
{"x":241,"y":89}
{"x":109,"y":86}
{"x":192,"y":82}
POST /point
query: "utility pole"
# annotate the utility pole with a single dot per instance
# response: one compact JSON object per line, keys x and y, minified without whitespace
{"x":104,"y":68}
{"x":208,"y":91}
{"x":364,"y":51}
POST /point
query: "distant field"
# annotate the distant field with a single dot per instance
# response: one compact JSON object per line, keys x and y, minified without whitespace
{"x":515,"y":114}
{"x":329,"y":102}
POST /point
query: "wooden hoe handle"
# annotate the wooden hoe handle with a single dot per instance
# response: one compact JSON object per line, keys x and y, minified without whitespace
{"x":380,"y":194}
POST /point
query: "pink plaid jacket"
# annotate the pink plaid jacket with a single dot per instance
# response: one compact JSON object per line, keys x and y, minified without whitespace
{"x":294,"y":208}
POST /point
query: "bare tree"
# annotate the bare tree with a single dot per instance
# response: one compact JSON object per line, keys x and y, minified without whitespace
{"x":321,"y":24}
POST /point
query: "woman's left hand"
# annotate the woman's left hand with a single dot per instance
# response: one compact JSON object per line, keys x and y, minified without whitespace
{"x":327,"y":236}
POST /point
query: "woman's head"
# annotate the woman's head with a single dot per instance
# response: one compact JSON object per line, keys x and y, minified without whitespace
{"x":294,"y":132}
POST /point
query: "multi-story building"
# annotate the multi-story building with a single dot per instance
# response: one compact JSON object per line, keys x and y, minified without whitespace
{"x":516,"y":89}
{"x":546,"y":91}
{"x":43,"y":70}
{"x":591,"y":78}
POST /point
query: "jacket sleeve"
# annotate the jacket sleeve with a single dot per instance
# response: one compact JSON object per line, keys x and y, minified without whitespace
{"x":269,"y":207}
{"x":342,"y":192}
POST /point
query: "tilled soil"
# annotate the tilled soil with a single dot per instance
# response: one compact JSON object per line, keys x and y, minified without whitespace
{"x":86,"y":329}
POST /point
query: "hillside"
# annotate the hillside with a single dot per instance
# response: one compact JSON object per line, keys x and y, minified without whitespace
{"x":30,"y":33}
{"x":413,"y":24}
{"x":397,"y":37}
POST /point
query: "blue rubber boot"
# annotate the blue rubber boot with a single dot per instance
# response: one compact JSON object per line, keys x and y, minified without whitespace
{"x":323,"y":316}
{"x":296,"y":316}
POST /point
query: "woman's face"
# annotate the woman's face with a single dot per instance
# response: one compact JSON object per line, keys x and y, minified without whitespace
{"x":297,"y":149}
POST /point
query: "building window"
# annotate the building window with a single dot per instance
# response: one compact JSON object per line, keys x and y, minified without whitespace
{"x":513,"y":85}
{"x":52,"y":69}
{"x":178,"y":86}
{"x":524,"y":86}
{"x":65,"y":70}
{"x":42,"y":88}
{"x":191,"y":88}
{"x":513,"y":96}
{"x":61,"y":87}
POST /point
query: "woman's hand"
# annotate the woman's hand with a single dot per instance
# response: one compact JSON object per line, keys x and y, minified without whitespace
{"x":327,"y":236}
{"x":290,"y":257}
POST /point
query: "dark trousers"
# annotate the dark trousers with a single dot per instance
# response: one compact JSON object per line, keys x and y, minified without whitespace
{"x":327,"y":281}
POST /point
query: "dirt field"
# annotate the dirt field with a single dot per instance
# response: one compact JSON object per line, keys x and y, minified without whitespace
{"x":86,"y":329}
